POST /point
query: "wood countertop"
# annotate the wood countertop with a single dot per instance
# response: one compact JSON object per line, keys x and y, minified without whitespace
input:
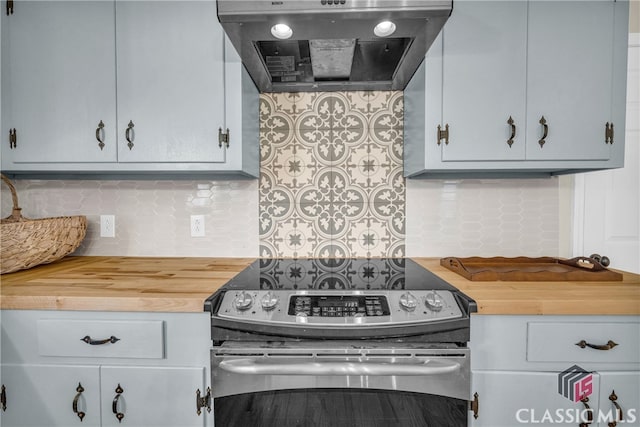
{"x":182,"y":285}
{"x":571,"y":297}
{"x":119,"y":284}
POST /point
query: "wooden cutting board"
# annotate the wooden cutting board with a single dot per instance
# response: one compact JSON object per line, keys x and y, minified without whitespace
{"x":542,"y":269}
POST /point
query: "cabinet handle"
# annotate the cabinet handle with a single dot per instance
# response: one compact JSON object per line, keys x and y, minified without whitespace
{"x":203,"y":402}
{"x":129,"y":134}
{"x":80,"y":414}
{"x":9,"y":7}
{"x":511,"y":123}
{"x":100,"y":135}
{"x":545,"y":131}
{"x":90,"y":341}
{"x":584,"y":401}
{"x":613,"y":398}
{"x":3,"y":398}
{"x":608,"y":346}
{"x":114,"y":404}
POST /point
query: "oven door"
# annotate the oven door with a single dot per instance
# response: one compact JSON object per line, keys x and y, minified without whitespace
{"x":340,"y":384}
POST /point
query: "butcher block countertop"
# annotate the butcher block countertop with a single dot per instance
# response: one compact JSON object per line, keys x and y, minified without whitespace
{"x":182,"y":285}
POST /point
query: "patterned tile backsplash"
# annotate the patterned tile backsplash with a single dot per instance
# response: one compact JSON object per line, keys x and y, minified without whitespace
{"x":331,"y":179}
{"x":331,"y":184}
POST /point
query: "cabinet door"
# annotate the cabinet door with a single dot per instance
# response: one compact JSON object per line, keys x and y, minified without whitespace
{"x":484,"y":80}
{"x":507,"y":399}
{"x":42,"y":396}
{"x":170,"y":81}
{"x":58,"y":72}
{"x":569,"y":82}
{"x":622,"y":388}
{"x":152,"y":396}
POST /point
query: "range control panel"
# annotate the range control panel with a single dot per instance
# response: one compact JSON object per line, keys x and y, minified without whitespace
{"x":339,"y":307}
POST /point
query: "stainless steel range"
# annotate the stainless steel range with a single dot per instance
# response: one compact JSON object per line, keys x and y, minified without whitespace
{"x":378,"y":334}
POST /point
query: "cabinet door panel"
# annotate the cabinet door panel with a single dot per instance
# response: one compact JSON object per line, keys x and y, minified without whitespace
{"x":569,"y":81}
{"x":484,"y":80}
{"x":152,"y":396}
{"x":170,"y":81}
{"x":59,"y":82}
{"x":507,"y":399}
{"x":42,"y":396}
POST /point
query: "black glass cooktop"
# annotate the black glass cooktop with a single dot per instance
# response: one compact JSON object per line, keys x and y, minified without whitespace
{"x":337,"y":274}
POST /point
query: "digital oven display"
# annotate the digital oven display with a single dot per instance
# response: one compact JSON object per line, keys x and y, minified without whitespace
{"x":339,"y":305}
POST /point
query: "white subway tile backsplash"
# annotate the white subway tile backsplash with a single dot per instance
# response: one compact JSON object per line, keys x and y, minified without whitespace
{"x":152,"y":217}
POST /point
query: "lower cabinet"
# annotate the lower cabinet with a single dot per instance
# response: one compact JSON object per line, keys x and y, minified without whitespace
{"x":581,"y":371}
{"x":40,"y":395}
{"x":105,"y":369}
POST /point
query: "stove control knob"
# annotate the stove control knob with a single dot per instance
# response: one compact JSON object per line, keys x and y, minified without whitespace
{"x":408,"y":301}
{"x":434,"y":301}
{"x":269,"y":301}
{"x":243,"y":301}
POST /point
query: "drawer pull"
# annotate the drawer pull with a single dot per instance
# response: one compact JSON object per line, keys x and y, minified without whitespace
{"x":80,"y":414}
{"x":89,"y":341}
{"x":584,"y":401}
{"x":608,"y":346}
{"x":613,"y":398}
{"x":114,"y":404}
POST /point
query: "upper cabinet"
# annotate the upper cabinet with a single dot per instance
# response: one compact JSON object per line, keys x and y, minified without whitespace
{"x":124,"y":88}
{"x":533,"y":88}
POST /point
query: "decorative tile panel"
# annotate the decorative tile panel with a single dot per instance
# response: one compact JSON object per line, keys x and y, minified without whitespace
{"x":331,"y":174}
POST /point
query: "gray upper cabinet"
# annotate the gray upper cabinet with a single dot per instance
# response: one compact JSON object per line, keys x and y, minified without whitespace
{"x":124,"y":88}
{"x":520,"y":88}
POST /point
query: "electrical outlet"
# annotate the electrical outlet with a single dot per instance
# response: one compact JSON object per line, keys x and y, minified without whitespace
{"x":197,"y":225}
{"x":107,"y":226}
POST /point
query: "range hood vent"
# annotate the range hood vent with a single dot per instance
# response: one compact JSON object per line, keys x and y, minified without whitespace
{"x":330,"y":45}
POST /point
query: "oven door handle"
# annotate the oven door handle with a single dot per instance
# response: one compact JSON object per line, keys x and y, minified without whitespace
{"x":253,"y":367}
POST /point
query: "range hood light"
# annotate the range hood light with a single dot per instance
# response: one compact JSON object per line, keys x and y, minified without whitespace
{"x":282,"y":31}
{"x":384,"y":29}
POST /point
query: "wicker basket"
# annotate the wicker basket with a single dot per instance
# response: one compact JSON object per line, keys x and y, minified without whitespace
{"x":30,"y":242}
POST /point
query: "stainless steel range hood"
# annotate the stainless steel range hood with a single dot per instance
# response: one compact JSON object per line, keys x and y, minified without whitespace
{"x":331,"y":44}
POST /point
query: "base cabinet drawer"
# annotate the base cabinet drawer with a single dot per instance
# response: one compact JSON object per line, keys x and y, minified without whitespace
{"x":101,"y":338}
{"x":583,"y":342}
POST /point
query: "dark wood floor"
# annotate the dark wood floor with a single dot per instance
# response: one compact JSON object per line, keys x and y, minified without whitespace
{"x":339,"y":408}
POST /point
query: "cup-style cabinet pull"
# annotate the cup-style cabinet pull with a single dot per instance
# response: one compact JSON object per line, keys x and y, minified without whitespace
{"x":589,"y":411}
{"x":90,"y":341}
{"x":3,"y":398}
{"x":619,"y":414}
{"x":545,"y":131}
{"x":100,"y":134}
{"x":114,"y":405}
{"x":608,"y":346}
{"x":511,"y":123}
{"x":129,"y":134}
{"x":74,"y":405}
